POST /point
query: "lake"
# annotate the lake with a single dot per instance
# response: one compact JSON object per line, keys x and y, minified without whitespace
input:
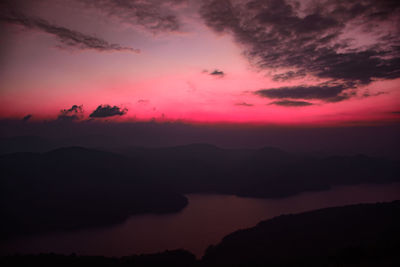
{"x":205,"y":221}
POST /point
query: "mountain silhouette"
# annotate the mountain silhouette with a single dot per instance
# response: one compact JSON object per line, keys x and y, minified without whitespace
{"x":56,"y":189}
{"x":356,"y":235}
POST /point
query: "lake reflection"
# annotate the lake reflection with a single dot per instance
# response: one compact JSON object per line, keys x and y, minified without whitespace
{"x":204,"y":221}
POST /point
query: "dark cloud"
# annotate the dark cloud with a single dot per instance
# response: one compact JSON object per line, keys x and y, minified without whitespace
{"x":395,"y":112}
{"x":244,"y":104}
{"x":217,"y":72}
{"x":67,"y":38}
{"x":74,"y":113}
{"x":279,"y":34}
{"x":290,"y":75}
{"x":291,"y":103}
{"x":153,"y":15}
{"x":327,"y":93}
{"x":368,"y":94}
{"x":27,"y":117}
{"x":103,"y":111}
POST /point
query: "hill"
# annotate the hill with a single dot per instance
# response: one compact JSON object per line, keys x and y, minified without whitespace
{"x":357,"y":235}
{"x":75,"y":187}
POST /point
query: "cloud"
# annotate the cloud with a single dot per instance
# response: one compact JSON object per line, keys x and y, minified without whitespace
{"x":368,"y":94}
{"x":244,"y":104}
{"x":27,"y":117}
{"x":327,"y":93}
{"x":67,"y":38}
{"x":154,"y":15}
{"x":310,"y":37}
{"x":217,"y":72}
{"x":74,"y":113}
{"x":290,"y":75}
{"x":103,"y":111}
{"x":291,"y":103}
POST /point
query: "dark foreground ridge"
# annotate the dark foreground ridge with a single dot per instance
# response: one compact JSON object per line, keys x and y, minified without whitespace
{"x":75,"y":187}
{"x":178,"y":258}
{"x":357,"y":235}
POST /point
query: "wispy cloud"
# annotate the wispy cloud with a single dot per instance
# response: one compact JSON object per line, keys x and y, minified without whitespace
{"x":67,"y":38}
{"x":143,"y":101}
{"x":291,"y":103}
{"x":244,"y":104}
{"x":154,"y":15}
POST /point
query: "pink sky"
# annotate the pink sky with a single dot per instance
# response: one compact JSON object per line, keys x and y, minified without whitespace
{"x":170,"y":79}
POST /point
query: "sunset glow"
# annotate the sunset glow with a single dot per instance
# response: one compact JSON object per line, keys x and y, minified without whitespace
{"x":199,"y":133}
{"x":199,"y":67}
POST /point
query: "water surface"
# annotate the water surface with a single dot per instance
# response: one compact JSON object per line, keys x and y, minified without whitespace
{"x":206,"y":220}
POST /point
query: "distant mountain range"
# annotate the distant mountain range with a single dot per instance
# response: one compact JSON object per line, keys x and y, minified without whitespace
{"x":56,"y":189}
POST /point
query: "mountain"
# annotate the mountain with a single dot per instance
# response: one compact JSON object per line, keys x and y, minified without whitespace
{"x":56,"y":189}
{"x":176,"y":258}
{"x":357,"y":235}
{"x":72,"y":188}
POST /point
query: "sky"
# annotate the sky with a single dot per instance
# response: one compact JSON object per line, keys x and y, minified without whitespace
{"x":271,"y":62}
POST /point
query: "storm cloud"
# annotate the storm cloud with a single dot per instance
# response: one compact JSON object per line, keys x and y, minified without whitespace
{"x":309,"y":37}
{"x":104,"y":111}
